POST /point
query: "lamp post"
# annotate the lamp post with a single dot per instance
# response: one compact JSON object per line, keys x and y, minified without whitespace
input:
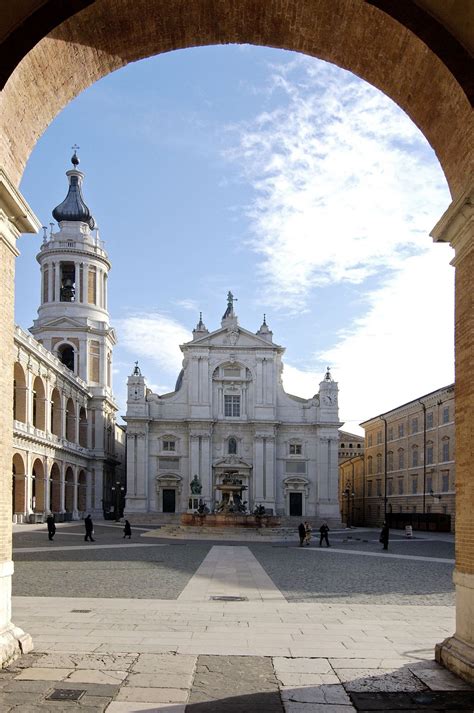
{"x":117,"y":491}
{"x":349,"y":495}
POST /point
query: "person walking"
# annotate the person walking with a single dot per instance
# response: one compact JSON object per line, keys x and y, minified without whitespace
{"x":127,"y":530}
{"x":51,"y":526}
{"x":89,"y":525}
{"x":301,"y":533}
{"x":384,"y":535}
{"x":323,"y":534}
{"x":308,"y":530}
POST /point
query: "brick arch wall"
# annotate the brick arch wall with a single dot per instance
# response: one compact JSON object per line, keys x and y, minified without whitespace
{"x":353,"y":34}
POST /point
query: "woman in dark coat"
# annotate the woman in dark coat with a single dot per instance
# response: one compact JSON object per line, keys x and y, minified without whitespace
{"x":51,"y":526}
{"x":127,"y":530}
{"x":301,"y":533}
{"x":384,"y":536}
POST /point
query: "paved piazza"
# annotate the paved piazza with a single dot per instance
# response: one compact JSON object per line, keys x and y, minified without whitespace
{"x":204,"y":626}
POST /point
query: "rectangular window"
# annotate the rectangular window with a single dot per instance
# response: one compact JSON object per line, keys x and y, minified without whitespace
{"x":369,"y":488}
{"x":168,"y":463}
{"x":414,"y":458}
{"x":231,"y":406}
{"x":390,"y":461}
{"x":169,"y":445}
{"x":429,"y":483}
{"x":401,"y":459}
{"x":369,"y":440}
{"x":379,"y":437}
{"x":429,"y":420}
{"x":390,"y":487}
{"x":414,"y":508}
{"x":445,"y":481}
{"x":297,"y":467}
{"x":45,"y":284}
{"x":92,"y":286}
{"x":400,"y":486}
{"x":401,"y":430}
{"x":446,"y":414}
{"x":446,"y":450}
{"x":428,"y":509}
{"x":390,"y":434}
{"x":369,"y":463}
{"x":295,"y":449}
{"x":94,"y":361}
{"x":429,"y":454}
{"x":414,"y":485}
{"x":379,"y":487}
{"x":414,"y":425}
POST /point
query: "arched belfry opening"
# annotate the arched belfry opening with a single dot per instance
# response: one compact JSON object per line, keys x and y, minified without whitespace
{"x":422,"y":66}
{"x":66,"y":355}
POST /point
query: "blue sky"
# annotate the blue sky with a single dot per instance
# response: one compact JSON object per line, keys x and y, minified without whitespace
{"x":301,"y":188}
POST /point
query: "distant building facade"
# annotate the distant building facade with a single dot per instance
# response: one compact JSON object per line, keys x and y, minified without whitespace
{"x":409,"y":460}
{"x":68,"y":450}
{"x":229,"y":417}
{"x":350,"y":445}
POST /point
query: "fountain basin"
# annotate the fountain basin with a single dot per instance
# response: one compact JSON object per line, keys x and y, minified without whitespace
{"x":229,"y":520}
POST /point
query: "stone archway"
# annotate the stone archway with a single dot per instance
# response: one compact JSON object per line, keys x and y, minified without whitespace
{"x":423,"y":74}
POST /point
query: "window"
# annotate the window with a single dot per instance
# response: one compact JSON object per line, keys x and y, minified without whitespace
{"x":379,"y":488}
{"x":414,"y":485}
{"x":350,"y":445}
{"x":369,"y":488}
{"x":414,"y":425}
{"x":429,"y":483}
{"x":400,"y":486}
{"x":401,"y":430}
{"x":390,"y":487}
{"x":168,"y":463}
{"x":169,"y":445}
{"x":429,"y":420}
{"x":428,"y":508}
{"x":414,"y":457}
{"x":390,"y":433}
{"x":414,"y":508}
{"x":390,"y":460}
{"x":295,"y":449}
{"x":369,"y":440}
{"x":66,"y":355}
{"x":445,"y":481}
{"x":400,"y":508}
{"x":370,"y":465}
{"x":401,"y":458}
{"x":446,"y":414}
{"x":231,"y":406}
{"x":232,"y":446}
{"x":296,"y":467}
{"x":379,"y":462}
{"x":446,"y":449}
{"x":429,"y":453}
{"x":379,"y":437}
{"x":378,"y":510}
{"x":445,"y":509}
{"x":342,"y":445}
{"x":358,"y":445}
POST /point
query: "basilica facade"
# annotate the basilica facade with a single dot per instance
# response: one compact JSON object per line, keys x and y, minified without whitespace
{"x":230,"y":420}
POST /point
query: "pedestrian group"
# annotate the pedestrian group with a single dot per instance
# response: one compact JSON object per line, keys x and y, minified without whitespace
{"x":89,"y":528}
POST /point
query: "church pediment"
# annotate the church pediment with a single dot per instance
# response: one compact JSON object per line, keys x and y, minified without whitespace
{"x":231,"y":461}
{"x":62,"y":323}
{"x":233,"y":336}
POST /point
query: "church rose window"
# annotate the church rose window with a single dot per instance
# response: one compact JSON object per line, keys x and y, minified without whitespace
{"x":231,"y":405}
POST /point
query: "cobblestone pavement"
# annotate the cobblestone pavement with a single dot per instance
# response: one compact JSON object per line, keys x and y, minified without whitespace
{"x":334,"y":631}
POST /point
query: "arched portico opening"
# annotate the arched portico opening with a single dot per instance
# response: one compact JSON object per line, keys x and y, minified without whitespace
{"x":19,"y":393}
{"x":83,"y":427}
{"x":19,"y":488}
{"x":423,"y":82}
{"x":55,"y":489}
{"x":70,"y":421}
{"x":56,"y":413}
{"x":69,"y":496}
{"x":38,"y":491}
{"x":39,"y":404}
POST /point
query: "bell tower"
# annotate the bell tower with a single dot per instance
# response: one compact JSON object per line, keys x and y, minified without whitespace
{"x":73,"y":319}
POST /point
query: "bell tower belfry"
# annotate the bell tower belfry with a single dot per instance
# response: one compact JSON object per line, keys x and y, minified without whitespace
{"x":73,"y":318}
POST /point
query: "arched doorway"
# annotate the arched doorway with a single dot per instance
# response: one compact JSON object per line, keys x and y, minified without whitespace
{"x":55,"y":489}
{"x":69,"y":496}
{"x":19,"y":489}
{"x":388,"y":51}
{"x":38,"y":491}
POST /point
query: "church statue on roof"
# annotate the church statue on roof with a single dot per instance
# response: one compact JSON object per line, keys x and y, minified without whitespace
{"x":229,"y":419}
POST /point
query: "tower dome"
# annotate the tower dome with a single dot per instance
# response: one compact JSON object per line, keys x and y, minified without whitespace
{"x":73,"y":207}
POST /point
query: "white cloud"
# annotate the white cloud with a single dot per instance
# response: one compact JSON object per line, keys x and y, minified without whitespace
{"x":156,"y":337}
{"x":345,"y":186}
{"x":300,"y":382}
{"x":188,"y":303}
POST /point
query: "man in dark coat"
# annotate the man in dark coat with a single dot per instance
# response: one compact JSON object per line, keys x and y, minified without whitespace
{"x":89,"y":525}
{"x":51,"y":526}
{"x":323,"y":534}
{"x":301,"y":533}
{"x":127,"y":530}
{"x":384,"y":536}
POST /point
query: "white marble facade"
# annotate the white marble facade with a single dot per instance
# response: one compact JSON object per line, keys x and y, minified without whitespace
{"x":229,"y":414}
